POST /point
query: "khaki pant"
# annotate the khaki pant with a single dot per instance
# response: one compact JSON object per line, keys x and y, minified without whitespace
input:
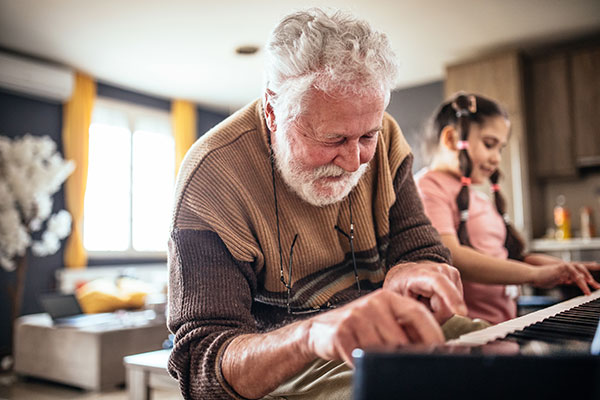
{"x":332,"y":380}
{"x":320,"y":380}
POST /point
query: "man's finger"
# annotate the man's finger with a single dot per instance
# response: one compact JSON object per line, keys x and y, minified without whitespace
{"x":418,"y":323}
{"x":390,"y":331}
{"x":443,"y":294}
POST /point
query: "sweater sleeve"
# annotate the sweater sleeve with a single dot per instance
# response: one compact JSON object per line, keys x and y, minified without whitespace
{"x":210,"y":298}
{"x":412,"y":237}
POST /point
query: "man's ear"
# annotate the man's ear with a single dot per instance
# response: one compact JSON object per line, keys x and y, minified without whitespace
{"x":269,"y":113}
{"x":449,"y":137}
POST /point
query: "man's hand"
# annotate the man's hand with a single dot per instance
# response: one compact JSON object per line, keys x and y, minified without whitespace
{"x":577,"y":273}
{"x":437,"y":285}
{"x":380,"y":319}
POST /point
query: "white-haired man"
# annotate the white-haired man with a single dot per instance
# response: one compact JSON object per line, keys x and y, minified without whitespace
{"x":297,"y":233}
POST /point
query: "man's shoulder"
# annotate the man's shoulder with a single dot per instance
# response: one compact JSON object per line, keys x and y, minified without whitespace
{"x":393,"y":142}
{"x":229,"y":131}
{"x":225,"y":145}
{"x":390,"y":126}
{"x":223,"y":169}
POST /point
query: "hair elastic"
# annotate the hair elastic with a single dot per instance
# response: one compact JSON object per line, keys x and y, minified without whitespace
{"x":464,"y":215}
{"x":495,"y":187}
{"x":465,"y":181}
{"x":462,"y":113}
{"x":462,"y":144}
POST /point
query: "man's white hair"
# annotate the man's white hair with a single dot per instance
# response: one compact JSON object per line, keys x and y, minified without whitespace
{"x":337,"y":54}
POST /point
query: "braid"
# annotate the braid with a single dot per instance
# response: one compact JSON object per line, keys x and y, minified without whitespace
{"x":463,"y":106}
{"x":513,"y":243}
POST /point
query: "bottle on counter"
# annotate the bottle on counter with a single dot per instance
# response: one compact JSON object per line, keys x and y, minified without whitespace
{"x":587,"y":223}
{"x":562,"y":219}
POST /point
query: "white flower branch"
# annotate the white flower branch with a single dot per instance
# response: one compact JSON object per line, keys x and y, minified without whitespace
{"x":31,"y":172}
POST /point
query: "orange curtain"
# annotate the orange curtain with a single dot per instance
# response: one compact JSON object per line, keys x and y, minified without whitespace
{"x":77,"y":117}
{"x":183,"y":114}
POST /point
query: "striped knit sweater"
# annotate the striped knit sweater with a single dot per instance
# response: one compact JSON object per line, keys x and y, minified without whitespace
{"x":224,"y":259}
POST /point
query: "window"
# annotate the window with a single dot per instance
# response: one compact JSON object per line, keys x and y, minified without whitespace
{"x":131,"y":178}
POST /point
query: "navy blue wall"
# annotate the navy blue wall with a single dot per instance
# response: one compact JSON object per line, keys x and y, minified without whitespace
{"x":20,"y":115}
{"x":206,"y":119}
{"x":103,"y":90}
{"x":412,"y":108}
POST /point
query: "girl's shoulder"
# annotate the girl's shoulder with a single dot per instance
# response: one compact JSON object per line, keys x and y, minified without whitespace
{"x":428,"y":179}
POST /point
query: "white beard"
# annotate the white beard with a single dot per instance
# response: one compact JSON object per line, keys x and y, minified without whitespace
{"x":305,"y":183}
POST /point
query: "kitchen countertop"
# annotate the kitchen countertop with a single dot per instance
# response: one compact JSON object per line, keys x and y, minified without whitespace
{"x":565,"y":245}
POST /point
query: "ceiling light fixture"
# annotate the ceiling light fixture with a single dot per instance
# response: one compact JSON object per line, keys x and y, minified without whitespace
{"x":246,"y":50}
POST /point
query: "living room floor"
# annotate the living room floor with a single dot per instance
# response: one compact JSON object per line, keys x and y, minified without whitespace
{"x":18,"y":388}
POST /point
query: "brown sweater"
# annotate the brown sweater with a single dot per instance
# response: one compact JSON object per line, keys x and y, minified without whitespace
{"x":224,"y":254}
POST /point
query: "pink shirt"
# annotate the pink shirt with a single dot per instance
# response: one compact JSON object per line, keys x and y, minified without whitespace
{"x":487,"y":233}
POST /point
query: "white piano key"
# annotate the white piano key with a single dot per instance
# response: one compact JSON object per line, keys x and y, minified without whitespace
{"x":501,"y":330}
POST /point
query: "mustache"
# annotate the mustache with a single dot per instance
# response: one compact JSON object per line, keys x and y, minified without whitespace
{"x":329,"y":170}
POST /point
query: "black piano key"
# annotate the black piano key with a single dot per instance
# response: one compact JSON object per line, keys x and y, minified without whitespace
{"x":547,"y":336}
{"x":573,"y":319}
{"x":548,"y":325}
{"x":565,"y":331}
{"x":579,"y":323}
{"x":558,"y":330}
{"x":524,"y":336}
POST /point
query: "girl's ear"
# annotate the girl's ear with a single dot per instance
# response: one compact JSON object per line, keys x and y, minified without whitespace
{"x":449,"y":137}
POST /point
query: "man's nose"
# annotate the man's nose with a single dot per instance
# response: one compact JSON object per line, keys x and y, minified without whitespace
{"x":348,"y":157}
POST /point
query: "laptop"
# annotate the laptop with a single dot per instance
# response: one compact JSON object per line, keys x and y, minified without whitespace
{"x":65,"y":310}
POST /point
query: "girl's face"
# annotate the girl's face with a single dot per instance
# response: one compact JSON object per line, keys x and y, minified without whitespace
{"x":486,"y":142}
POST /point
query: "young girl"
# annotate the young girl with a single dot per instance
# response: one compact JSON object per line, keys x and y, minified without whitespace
{"x":469,"y":133}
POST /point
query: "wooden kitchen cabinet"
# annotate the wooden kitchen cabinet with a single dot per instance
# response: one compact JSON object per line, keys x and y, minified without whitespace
{"x":564,"y":111}
{"x":585,"y":78}
{"x":552,"y":136}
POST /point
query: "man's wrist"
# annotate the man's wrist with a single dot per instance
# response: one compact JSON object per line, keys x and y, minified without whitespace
{"x":301,"y":340}
{"x":403,"y":264}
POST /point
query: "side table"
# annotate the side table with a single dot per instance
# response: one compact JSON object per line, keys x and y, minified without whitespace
{"x":147,"y":371}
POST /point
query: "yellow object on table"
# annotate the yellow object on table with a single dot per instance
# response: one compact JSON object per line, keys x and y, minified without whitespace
{"x":102,"y":295}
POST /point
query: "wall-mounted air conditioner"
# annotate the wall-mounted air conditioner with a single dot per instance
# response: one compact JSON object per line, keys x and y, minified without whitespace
{"x":35,"y":78}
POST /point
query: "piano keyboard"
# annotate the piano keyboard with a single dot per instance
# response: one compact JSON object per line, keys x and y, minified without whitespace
{"x":574,"y":319}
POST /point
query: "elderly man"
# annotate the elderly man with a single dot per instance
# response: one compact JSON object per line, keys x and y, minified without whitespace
{"x":298,"y":235}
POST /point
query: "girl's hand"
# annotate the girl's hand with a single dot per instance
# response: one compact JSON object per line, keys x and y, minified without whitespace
{"x":577,"y":273}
